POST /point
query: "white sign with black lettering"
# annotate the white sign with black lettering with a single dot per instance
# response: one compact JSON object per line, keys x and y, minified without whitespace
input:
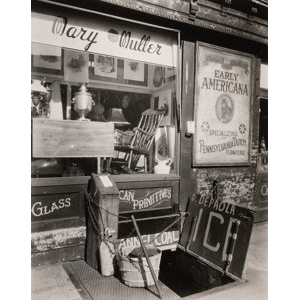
{"x":106,"y":36}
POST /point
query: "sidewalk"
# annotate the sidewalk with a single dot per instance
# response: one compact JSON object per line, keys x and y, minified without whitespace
{"x":255,"y":271}
{"x":52,"y":282}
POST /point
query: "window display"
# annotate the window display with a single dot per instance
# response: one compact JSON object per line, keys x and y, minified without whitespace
{"x":95,"y":70}
{"x":86,"y":87}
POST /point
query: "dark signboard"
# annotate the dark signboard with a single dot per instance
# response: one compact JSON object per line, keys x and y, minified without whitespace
{"x":54,"y":206}
{"x":218,"y":232}
{"x":145,"y":199}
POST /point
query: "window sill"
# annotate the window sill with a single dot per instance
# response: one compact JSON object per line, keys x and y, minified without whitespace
{"x":116,"y":178}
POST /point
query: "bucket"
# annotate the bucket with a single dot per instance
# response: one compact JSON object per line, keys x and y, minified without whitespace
{"x":135,"y":271}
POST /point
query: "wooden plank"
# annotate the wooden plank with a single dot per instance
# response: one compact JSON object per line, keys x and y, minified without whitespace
{"x":53,"y":189}
{"x":107,"y":198}
{"x":149,"y":226}
{"x":117,"y":178}
{"x":103,"y":212}
{"x":148,"y":213}
{"x":145,"y":183}
{"x":58,"y":181}
{"x":188,"y":178}
{"x":65,"y":138}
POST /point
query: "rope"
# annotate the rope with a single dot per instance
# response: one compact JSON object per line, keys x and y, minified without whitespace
{"x":101,"y":235}
{"x":107,"y":240}
{"x":98,"y":206}
{"x":113,"y":245}
{"x":167,"y":228}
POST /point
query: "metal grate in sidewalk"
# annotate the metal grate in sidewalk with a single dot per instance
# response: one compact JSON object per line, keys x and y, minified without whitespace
{"x":97,"y":287}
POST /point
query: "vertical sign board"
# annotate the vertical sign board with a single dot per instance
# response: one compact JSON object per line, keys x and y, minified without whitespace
{"x":223,"y":95}
{"x":218,"y":232}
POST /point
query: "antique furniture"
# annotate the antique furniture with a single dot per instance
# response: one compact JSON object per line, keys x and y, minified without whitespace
{"x":142,"y":139}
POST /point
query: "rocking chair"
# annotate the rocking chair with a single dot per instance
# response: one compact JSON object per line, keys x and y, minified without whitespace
{"x":142,"y":139}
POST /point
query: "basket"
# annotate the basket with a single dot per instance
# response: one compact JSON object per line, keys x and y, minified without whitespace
{"x":123,"y":137}
{"x":135,"y":271}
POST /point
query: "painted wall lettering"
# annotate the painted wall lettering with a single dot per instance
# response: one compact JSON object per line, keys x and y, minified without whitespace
{"x":207,"y":200}
{"x":205,"y":241}
{"x":156,"y":239}
{"x":144,"y":198}
{"x":40,"y":210}
{"x":217,"y":231}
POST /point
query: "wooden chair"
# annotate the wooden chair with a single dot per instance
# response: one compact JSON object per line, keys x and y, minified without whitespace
{"x":142,"y":139}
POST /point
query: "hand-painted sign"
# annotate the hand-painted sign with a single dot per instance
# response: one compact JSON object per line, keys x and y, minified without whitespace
{"x":54,"y":206}
{"x":140,"y":199}
{"x":223,"y":96}
{"x":103,"y":35}
{"x":218,"y":232}
{"x":166,"y":238}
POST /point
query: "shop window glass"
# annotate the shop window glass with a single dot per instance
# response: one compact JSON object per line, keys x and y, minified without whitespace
{"x":121,"y":91}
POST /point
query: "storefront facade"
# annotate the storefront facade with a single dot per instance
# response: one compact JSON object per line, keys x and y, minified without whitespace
{"x":199,"y":59}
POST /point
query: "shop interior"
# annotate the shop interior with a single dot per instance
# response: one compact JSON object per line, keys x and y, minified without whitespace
{"x":139,"y":98}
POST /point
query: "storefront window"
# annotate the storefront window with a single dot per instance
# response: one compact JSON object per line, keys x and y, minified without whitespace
{"x":127,"y":92}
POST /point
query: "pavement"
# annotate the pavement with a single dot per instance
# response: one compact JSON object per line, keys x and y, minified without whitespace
{"x":52,"y":282}
{"x":255,"y":271}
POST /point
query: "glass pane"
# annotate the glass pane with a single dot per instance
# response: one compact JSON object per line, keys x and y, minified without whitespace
{"x":138,"y":98}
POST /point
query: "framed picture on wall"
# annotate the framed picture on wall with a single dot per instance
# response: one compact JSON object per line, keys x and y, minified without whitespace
{"x":223,"y":104}
{"x":133,"y":70}
{"x":46,"y":60}
{"x":45,"y":56}
{"x":76,"y":66}
{"x":105,"y":66}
